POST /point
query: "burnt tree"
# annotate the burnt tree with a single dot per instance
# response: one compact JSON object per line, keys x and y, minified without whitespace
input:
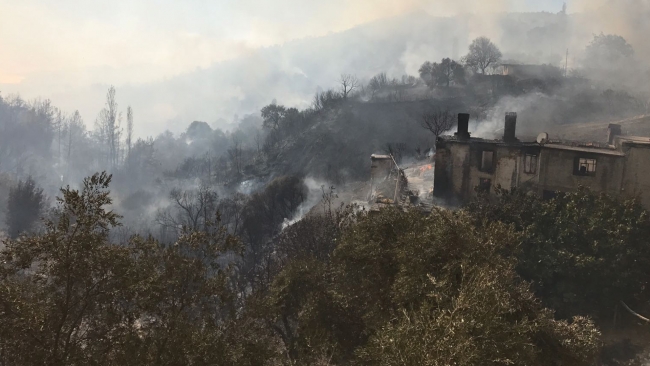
{"x":437,"y":122}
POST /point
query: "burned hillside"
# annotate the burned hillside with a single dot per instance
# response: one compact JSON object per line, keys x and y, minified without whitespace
{"x":334,"y":183}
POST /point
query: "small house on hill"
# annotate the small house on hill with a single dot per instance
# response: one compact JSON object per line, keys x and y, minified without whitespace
{"x":527,"y":71}
{"x":465,"y":166}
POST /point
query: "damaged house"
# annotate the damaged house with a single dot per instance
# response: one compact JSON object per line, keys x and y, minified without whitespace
{"x":387,"y":181}
{"x":465,"y":166}
{"x":407,"y":186}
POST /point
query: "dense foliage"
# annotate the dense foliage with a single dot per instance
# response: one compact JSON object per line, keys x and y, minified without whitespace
{"x":403,"y":288}
{"x":444,"y":73}
{"x":69,"y":296}
{"x":382,"y":288}
{"x":482,"y":54}
{"x":25,"y":204}
{"x":583,"y":252}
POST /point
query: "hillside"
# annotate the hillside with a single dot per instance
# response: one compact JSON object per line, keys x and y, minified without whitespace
{"x":291,"y":73}
{"x":597,"y":131}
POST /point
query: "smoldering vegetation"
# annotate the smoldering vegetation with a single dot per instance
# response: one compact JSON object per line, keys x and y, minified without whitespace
{"x":378,"y":104}
{"x":308,"y":138}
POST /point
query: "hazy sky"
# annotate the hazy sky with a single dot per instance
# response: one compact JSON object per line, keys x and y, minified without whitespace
{"x":80,"y":41}
{"x":58,"y":49}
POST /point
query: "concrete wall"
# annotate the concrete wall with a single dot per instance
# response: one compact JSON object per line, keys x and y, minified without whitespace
{"x":636,"y":178}
{"x":380,"y":186}
{"x":500,"y":171}
{"x":557,"y":171}
{"x":380,"y":167}
{"x":444,"y":171}
{"x":528,"y":180}
{"x":458,"y":168}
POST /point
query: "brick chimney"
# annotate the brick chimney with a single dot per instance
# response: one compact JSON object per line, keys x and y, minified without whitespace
{"x":463,"y":126}
{"x":613,"y":130}
{"x":509,"y":130}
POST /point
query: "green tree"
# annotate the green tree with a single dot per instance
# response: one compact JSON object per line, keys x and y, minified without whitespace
{"x":444,"y":73}
{"x":71,"y":297}
{"x":399,"y":277}
{"x":607,"y":51}
{"x":300,"y":290}
{"x":59,"y":289}
{"x":273,"y":115}
{"x":199,"y":130}
{"x":262,"y":218}
{"x":449,"y":71}
{"x":475,"y":327}
{"x":25,"y":204}
{"x":482,"y":54}
{"x":584,"y":252}
{"x":425,"y":71}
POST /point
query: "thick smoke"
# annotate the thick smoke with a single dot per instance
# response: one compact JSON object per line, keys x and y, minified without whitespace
{"x":536,"y":112}
{"x":316,"y":189}
{"x":293,"y":71}
{"x":229,"y":94}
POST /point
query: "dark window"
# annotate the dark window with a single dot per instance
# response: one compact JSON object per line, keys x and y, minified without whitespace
{"x":585,"y":166}
{"x":484,"y":185}
{"x":487,"y":161}
{"x":530,"y":164}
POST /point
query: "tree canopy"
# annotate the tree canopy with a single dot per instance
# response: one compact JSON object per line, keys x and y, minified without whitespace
{"x":403,"y":288}
{"x":25,"y":204}
{"x":383,"y":288}
{"x":482,"y":54}
{"x":445,"y":73}
{"x":70,"y":296}
{"x":583,"y":252}
{"x":607,"y":51}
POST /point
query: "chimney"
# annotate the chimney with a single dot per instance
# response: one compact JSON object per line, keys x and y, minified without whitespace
{"x":613,"y":130}
{"x":463,"y":126}
{"x":510,"y":127}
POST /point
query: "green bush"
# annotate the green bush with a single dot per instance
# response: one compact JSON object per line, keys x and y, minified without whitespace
{"x":404,"y":288}
{"x":583,"y":252}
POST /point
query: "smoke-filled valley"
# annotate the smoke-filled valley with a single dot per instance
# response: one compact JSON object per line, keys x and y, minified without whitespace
{"x":249,"y":240}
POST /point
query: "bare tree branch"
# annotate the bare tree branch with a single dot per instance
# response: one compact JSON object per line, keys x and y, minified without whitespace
{"x":437,"y":122}
{"x":348,"y":84}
